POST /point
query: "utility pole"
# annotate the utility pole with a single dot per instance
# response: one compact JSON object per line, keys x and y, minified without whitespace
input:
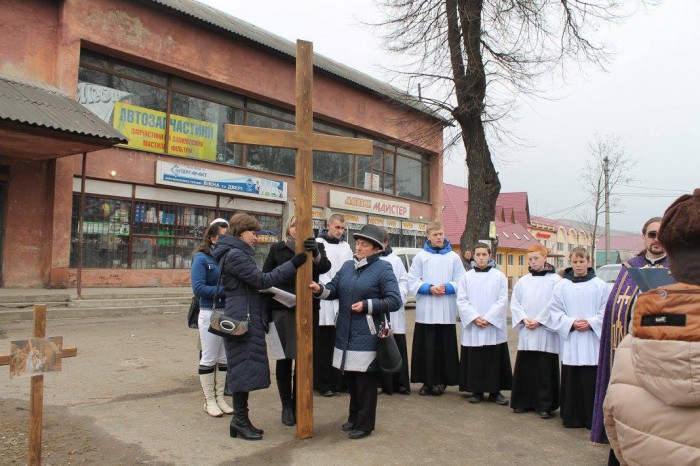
{"x":607,"y":210}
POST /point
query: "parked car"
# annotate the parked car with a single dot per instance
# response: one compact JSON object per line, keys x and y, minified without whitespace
{"x":406,"y":255}
{"x":608,"y":273}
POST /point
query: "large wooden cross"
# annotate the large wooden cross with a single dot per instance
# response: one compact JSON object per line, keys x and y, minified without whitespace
{"x":305,"y":141}
{"x":36,"y":390}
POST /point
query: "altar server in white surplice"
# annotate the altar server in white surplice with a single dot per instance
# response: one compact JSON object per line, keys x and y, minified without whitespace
{"x":576,"y":313}
{"x":398,"y":381}
{"x":328,"y":380}
{"x":482,"y":300}
{"x":536,"y":372}
{"x":432,"y":279}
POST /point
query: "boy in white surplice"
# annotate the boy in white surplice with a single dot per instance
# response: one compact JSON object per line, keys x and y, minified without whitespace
{"x":576,"y":313}
{"x":482,"y":300}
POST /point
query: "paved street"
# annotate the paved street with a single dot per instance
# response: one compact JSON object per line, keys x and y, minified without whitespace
{"x":132,"y":397}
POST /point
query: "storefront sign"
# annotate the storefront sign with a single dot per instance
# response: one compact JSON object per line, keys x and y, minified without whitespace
{"x":376,"y":221}
{"x":145,"y":129}
{"x":175,"y":174}
{"x":371,"y":205}
{"x":354,"y":218}
{"x":318,"y":213}
{"x":413,"y":226}
{"x":391,"y":223}
{"x":543,"y":235}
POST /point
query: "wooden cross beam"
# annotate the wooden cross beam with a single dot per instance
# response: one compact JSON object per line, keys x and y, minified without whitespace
{"x":305,"y":141}
{"x":36,"y":391}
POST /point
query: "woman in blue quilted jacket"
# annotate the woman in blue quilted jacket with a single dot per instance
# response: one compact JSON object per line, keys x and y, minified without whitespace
{"x":204,"y":276}
{"x":367,"y":290}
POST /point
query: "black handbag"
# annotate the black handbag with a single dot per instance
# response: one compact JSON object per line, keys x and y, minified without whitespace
{"x":223,"y":325}
{"x":388,"y":353}
{"x":193,"y":313}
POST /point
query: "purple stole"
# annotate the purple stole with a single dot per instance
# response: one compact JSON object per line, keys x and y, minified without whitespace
{"x":615,"y":328}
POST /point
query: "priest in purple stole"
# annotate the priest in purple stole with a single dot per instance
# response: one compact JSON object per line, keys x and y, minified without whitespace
{"x":617,"y":317}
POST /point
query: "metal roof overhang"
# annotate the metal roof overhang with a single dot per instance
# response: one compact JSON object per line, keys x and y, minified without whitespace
{"x":33,"y":143}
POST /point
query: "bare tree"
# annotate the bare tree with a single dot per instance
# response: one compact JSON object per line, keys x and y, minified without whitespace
{"x":478,"y":56}
{"x":620,"y":165}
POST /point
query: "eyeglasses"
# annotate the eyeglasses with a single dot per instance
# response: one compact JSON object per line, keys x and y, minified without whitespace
{"x":652,"y":234}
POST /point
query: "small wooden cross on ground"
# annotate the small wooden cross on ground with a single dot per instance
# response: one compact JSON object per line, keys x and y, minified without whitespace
{"x":305,"y":141}
{"x":18,"y":366}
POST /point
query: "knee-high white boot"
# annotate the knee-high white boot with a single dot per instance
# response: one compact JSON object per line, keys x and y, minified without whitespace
{"x":220,"y":386}
{"x":210,"y":403}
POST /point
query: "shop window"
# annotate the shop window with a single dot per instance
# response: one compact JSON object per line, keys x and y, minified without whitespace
{"x":122,"y":101}
{"x":333,"y":168}
{"x":198,"y":129}
{"x":412,"y":178}
{"x":266,"y":158}
{"x":121,"y":233}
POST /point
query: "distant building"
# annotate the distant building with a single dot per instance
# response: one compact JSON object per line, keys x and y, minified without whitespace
{"x":516,"y":230}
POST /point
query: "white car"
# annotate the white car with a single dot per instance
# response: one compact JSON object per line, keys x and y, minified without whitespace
{"x":608,"y":273}
{"x":406,"y":255}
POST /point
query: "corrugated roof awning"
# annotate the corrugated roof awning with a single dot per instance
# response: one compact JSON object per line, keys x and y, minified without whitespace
{"x":40,"y":122}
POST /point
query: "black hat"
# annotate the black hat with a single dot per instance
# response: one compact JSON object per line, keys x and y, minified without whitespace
{"x":371,"y":233}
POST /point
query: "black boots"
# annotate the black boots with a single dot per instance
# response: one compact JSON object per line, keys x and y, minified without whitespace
{"x":240,"y":424}
{"x":284,"y":387}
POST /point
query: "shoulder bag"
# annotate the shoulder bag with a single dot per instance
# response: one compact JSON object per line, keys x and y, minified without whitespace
{"x":225,"y":326}
{"x":388,"y":354}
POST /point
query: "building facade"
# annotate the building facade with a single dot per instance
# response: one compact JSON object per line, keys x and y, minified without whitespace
{"x":169,"y":75}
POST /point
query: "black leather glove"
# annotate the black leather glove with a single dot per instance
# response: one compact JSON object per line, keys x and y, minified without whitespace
{"x":321,"y":247}
{"x":299,"y":259}
{"x":310,"y":244}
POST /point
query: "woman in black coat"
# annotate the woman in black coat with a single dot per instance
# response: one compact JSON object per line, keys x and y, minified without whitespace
{"x":248,"y":367}
{"x":284,"y":317}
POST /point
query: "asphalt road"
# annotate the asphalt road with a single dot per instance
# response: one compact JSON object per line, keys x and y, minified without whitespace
{"x":132,"y":397}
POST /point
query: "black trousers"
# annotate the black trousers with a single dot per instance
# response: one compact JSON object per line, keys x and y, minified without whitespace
{"x":363,"y":399}
{"x":324,"y":340}
{"x":286,"y":382}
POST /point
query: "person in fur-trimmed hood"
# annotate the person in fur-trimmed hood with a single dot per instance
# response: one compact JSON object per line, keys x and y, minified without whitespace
{"x":652,"y":406}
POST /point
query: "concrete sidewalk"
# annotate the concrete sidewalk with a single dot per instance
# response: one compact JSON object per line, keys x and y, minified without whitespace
{"x":132,"y":396}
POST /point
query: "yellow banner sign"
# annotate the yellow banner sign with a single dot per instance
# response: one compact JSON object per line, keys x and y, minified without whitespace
{"x":145,"y":129}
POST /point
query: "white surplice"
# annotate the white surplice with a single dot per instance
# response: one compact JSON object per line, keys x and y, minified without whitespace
{"x":435,"y":269}
{"x":571,"y":301}
{"x":529,"y":300}
{"x":485,"y":295}
{"x":398,"y":318}
{"x":338,"y":254}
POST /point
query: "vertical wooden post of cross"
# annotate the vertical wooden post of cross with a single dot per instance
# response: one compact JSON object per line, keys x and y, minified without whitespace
{"x":304,"y":141}
{"x":304,"y":181}
{"x":36,"y":393}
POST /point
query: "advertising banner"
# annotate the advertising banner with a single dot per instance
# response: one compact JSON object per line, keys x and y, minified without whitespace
{"x":175,"y":174}
{"x":145,"y":129}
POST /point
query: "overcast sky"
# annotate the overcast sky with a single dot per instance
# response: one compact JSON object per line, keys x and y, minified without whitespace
{"x":648,"y":97}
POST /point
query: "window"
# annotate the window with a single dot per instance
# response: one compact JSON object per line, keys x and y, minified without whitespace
{"x":123,"y":233}
{"x":166,"y":114}
{"x":521,"y":260}
{"x":413,"y":177}
{"x":560,"y":246}
{"x":510,"y":259}
{"x":499,"y":259}
{"x":516,"y":235}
